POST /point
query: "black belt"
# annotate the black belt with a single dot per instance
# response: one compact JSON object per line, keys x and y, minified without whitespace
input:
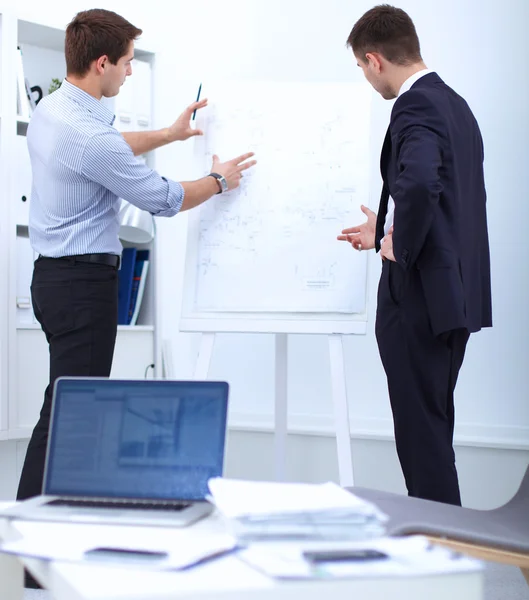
{"x":113,"y":260}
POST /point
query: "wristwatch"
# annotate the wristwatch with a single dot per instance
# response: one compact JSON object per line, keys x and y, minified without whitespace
{"x":223,"y":184}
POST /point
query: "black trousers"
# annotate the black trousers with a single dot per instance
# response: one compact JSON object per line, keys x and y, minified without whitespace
{"x":422,"y":372}
{"x":76,"y":304}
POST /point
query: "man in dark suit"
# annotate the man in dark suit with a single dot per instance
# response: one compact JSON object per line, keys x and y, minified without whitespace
{"x":431,"y":230}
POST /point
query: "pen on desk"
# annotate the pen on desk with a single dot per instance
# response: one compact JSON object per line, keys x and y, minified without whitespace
{"x":198,"y":98}
{"x":214,"y":555}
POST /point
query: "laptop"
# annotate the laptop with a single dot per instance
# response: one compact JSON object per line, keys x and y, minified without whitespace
{"x":131,"y":452}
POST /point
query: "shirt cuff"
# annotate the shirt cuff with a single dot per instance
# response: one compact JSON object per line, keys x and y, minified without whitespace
{"x":175,"y":198}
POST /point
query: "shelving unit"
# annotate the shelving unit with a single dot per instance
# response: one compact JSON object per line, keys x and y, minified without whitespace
{"x":24,"y":360}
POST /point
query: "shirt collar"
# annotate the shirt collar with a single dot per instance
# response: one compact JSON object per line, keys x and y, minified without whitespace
{"x":93,"y":105}
{"x":411,"y":80}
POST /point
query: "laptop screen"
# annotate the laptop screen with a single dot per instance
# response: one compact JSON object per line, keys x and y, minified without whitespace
{"x":155,"y":439}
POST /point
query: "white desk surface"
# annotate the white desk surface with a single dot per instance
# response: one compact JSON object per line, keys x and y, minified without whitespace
{"x":225,"y":578}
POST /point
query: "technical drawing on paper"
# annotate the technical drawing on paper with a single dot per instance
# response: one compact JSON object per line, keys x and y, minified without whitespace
{"x":271,"y":244}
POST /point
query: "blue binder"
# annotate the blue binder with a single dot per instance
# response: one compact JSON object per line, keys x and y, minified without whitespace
{"x":125,"y":274}
{"x":141,"y":257}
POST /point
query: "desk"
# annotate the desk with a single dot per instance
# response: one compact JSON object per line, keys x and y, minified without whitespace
{"x":499,"y":535}
{"x":222,"y":579}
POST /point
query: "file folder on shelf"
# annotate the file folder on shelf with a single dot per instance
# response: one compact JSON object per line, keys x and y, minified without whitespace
{"x":141,"y":268}
{"x":125,"y":274}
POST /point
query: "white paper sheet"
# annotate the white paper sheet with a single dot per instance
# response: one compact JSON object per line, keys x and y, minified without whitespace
{"x":271,"y":244}
{"x":407,"y":557}
{"x":183,"y":547}
{"x":238,"y":498}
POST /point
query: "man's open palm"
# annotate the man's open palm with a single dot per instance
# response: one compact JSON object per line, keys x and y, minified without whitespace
{"x":361,"y":237}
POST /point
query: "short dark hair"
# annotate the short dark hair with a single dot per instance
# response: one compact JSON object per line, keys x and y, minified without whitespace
{"x":95,"y":33}
{"x":388,"y":31}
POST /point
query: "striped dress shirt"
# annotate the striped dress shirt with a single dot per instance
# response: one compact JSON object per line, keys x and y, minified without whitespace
{"x":81,"y":168}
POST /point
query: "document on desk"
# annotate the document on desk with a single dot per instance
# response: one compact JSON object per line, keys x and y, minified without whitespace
{"x":406,"y":557}
{"x":152,"y":548}
{"x":236,"y":498}
{"x":263,"y":510}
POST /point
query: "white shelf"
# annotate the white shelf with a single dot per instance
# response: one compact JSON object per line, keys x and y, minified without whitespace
{"x":21,"y":433}
{"x":137,"y":346}
{"x":52,"y":38}
{"x":30,"y":326}
{"x":20,"y":119}
{"x":40,"y":35}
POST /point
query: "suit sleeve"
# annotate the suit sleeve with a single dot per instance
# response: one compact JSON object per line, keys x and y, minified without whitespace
{"x":417,"y":134}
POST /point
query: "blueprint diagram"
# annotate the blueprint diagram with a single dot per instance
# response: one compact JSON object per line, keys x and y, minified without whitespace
{"x":270,"y":245}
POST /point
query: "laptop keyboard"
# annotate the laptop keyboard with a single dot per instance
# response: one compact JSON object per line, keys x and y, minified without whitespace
{"x":123,"y":504}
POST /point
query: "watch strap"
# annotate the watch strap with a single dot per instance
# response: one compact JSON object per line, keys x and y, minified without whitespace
{"x":221,"y":180}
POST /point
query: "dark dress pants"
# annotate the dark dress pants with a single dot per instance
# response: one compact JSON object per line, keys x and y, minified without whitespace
{"x":422,"y":372}
{"x":76,"y":304}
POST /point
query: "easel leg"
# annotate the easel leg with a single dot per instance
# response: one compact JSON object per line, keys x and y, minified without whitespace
{"x":281,"y":404}
{"x":167,"y":360}
{"x":11,"y":573}
{"x":341,"y":410}
{"x":11,"y":578}
{"x":204,"y":356}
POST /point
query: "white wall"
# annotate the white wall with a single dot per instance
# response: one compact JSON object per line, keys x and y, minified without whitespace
{"x":479,"y":47}
{"x":476,"y":47}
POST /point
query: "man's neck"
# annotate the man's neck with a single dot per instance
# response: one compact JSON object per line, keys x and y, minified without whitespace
{"x":404,"y":73}
{"x":87,"y":84}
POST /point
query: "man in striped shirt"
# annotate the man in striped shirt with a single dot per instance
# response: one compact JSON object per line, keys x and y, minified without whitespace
{"x":81,"y":168}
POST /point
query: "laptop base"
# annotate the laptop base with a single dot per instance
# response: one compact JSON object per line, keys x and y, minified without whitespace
{"x":38,"y":509}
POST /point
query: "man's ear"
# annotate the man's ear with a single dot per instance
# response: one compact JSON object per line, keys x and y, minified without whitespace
{"x":374,"y":60}
{"x":100,"y":63}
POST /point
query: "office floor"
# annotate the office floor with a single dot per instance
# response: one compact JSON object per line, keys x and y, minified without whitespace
{"x":502,"y":582}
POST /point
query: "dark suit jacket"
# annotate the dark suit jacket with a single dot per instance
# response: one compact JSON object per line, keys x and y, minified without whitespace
{"x":432,"y":165}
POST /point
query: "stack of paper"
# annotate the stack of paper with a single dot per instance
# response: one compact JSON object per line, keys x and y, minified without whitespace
{"x":406,"y":556}
{"x":262,"y":511}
